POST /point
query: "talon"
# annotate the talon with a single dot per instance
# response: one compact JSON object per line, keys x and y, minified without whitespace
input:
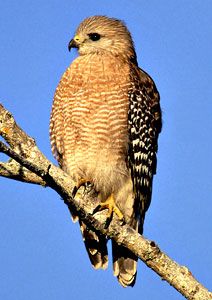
{"x":98,"y":208}
{"x":112,"y":208}
{"x":81,"y":182}
{"x":108,"y":220}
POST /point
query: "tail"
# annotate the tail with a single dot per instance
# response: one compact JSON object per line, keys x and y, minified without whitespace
{"x":96,"y":246}
{"x":124,"y":263}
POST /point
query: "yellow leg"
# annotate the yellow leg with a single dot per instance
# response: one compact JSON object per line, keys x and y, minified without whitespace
{"x":112,"y":208}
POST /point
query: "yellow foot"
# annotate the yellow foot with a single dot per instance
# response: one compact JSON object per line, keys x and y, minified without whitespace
{"x":81,"y":182}
{"x":112,"y":208}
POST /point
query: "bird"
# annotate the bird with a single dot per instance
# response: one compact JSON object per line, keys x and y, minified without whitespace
{"x":104,"y":128}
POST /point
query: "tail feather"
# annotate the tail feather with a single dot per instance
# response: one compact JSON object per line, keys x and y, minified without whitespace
{"x":96,"y":246}
{"x":124,"y":261}
{"x":124,"y":265}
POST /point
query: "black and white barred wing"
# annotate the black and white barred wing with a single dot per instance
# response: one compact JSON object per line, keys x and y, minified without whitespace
{"x":144,"y":119}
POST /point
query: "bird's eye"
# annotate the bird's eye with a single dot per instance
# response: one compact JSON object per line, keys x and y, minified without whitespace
{"x":94,"y":36}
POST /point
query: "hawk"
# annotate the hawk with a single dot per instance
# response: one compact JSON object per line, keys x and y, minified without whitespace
{"x":104,"y":129}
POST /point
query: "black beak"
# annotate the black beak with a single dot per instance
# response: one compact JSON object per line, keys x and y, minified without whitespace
{"x":72,"y":44}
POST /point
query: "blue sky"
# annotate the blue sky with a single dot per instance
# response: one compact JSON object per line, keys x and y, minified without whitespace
{"x":42,"y":255}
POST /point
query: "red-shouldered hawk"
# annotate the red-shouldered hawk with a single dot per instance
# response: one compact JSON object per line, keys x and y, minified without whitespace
{"x":104,"y":128}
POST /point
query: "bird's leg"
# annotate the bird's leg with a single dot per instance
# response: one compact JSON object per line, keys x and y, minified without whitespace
{"x":112,"y":208}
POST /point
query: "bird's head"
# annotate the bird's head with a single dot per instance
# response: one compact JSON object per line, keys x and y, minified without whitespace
{"x":102,"y":35}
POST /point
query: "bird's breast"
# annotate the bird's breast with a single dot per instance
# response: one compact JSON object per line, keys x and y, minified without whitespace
{"x":96,"y":113}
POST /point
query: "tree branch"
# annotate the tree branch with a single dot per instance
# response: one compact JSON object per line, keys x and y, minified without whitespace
{"x":14,"y":170}
{"x":28,"y":164}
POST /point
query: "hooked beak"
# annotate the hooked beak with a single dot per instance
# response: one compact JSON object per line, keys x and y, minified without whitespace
{"x":72,"y":44}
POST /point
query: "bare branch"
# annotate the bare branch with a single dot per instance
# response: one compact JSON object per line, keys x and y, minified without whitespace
{"x":14,"y":170}
{"x":28,"y":164}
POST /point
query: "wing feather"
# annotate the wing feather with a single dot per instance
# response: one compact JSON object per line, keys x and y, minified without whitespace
{"x":144,"y":120}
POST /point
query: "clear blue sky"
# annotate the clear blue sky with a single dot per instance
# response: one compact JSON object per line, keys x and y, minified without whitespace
{"x":42,"y":255}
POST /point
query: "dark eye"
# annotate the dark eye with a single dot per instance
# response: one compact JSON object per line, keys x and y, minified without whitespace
{"x":94,"y":36}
